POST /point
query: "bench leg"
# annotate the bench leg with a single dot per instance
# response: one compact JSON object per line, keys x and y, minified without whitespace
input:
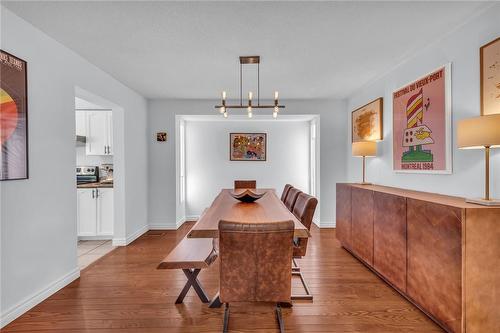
{"x":192,"y":276}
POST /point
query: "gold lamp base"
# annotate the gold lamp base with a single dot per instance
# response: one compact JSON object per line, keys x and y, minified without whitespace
{"x":364,"y":183}
{"x":484,"y":202}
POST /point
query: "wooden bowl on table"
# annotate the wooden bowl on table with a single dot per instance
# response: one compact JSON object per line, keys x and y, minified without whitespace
{"x":247,"y":195}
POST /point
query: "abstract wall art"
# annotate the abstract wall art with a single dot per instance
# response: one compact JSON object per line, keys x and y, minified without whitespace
{"x":490,"y":77}
{"x":367,"y":122}
{"x":248,"y":146}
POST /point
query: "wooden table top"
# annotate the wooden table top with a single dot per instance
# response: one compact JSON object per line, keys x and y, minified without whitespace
{"x":269,"y":208}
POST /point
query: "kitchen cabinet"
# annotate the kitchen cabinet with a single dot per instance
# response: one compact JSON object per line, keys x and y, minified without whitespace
{"x":99,"y":132}
{"x":95,"y":212}
{"x":80,"y":123}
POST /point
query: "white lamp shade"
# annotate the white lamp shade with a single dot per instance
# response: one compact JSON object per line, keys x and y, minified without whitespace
{"x":364,"y":148}
{"x":479,"y":132}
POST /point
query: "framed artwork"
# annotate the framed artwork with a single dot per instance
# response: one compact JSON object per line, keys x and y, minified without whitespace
{"x":490,"y":77}
{"x":422,"y":124}
{"x":367,"y":121}
{"x":13,"y":117}
{"x":161,"y":136}
{"x":248,"y":146}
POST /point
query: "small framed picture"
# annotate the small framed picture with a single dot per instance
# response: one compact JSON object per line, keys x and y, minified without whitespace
{"x":161,"y":136}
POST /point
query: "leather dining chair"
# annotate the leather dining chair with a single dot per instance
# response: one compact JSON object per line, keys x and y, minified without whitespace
{"x":291,"y":197}
{"x":304,"y":209}
{"x":285,"y":192}
{"x":255,"y":264}
{"x":245,"y":184}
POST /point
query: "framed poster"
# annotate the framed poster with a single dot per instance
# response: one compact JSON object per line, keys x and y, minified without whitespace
{"x":490,"y":77}
{"x":248,"y":146}
{"x":422,"y":124}
{"x":13,"y":117}
{"x":367,"y":121}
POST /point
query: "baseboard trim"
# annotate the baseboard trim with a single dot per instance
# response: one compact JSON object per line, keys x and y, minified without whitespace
{"x":22,"y":307}
{"x":327,"y":224}
{"x":126,"y":241}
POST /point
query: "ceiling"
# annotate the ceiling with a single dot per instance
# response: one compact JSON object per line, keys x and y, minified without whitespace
{"x":191,"y":49}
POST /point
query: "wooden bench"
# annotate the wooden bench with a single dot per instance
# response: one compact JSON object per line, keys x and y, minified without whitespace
{"x":191,"y":255}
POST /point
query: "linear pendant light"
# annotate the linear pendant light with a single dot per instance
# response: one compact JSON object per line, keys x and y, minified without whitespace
{"x":223,"y":107}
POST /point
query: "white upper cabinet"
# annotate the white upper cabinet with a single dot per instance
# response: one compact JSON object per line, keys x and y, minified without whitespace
{"x":97,"y":132}
{"x":99,"y":128}
{"x":80,"y":123}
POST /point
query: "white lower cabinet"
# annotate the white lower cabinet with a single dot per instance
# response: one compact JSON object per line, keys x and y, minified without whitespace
{"x":95,"y":212}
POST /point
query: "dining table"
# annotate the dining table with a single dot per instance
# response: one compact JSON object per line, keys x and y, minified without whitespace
{"x":267,"y":209}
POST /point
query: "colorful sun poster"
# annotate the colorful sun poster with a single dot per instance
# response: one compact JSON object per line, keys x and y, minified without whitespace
{"x":422,"y":124}
{"x":13,"y":118}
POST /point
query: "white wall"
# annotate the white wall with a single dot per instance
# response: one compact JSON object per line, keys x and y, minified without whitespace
{"x":461,"y":48}
{"x":162,"y":180}
{"x":38,"y":215}
{"x":208,"y":168}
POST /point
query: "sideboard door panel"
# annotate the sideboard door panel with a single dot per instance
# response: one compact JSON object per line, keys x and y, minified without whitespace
{"x":343,"y":221}
{"x":389,"y":238}
{"x":435,"y":259}
{"x":362,"y":224}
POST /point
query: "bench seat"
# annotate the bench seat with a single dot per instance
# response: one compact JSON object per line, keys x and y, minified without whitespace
{"x":191,"y":255}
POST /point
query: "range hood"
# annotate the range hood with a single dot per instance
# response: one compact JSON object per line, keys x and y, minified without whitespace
{"x":81,"y":140}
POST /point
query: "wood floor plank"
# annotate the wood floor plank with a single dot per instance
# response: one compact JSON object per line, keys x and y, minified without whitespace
{"x":124,"y":293}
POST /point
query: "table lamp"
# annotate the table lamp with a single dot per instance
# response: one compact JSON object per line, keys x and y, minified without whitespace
{"x":364,"y":149}
{"x":481,"y":133}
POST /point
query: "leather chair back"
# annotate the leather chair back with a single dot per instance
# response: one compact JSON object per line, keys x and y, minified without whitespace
{"x":291,"y":197}
{"x":255,"y":261}
{"x":304,"y":209}
{"x":245,"y":184}
{"x":285,"y":192}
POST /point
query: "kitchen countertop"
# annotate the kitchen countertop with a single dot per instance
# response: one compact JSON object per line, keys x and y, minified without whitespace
{"x":95,"y":185}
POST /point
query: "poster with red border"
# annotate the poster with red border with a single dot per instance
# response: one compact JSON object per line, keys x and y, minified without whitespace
{"x":13,"y":117}
{"x":422,"y":124}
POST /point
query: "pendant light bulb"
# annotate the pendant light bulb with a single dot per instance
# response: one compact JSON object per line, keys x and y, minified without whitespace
{"x":224,"y":95}
{"x":225,"y":114}
{"x":250,"y":114}
{"x":275,"y":114}
{"x":250,"y":95}
{"x":276,"y":94}
{"x":222,"y":109}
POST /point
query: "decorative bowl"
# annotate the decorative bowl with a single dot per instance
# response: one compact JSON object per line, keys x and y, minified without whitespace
{"x":247,"y":195}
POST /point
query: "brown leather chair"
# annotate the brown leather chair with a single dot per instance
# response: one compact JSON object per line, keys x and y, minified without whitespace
{"x":291,"y":197}
{"x":285,"y":192}
{"x":304,"y":209}
{"x":245,"y":184}
{"x":255,"y":264}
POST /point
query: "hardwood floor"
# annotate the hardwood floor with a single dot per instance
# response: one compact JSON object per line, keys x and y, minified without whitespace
{"x":124,"y":292}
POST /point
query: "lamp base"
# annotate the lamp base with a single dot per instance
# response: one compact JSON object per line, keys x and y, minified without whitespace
{"x":484,"y":202}
{"x":364,"y":183}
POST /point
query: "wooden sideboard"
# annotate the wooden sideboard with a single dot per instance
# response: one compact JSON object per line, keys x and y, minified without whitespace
{"x":440,"y":252}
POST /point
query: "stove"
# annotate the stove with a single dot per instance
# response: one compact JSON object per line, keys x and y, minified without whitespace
{"x":87,"y":174}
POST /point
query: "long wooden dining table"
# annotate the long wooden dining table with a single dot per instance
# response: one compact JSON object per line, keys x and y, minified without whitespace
{"x":267,"y":209}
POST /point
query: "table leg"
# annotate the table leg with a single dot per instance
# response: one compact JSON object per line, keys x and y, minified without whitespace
{"x":215,"y":303}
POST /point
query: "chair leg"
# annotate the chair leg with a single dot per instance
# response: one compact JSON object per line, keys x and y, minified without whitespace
{"x":226,"y":318}
{"x":280,"y":318}
{"x":308,"y":296}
